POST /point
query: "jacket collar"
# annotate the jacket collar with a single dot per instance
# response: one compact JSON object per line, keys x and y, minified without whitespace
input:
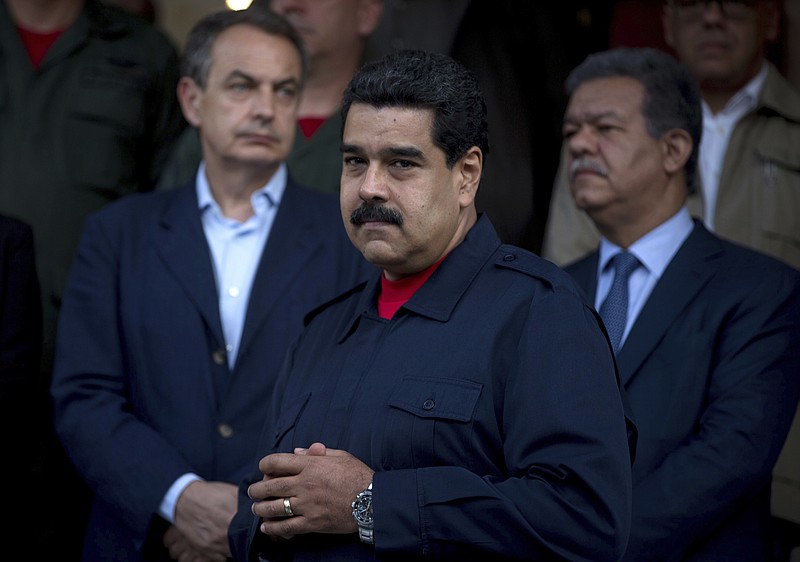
{"x":439,"y":295}
{"x":779,"y":96}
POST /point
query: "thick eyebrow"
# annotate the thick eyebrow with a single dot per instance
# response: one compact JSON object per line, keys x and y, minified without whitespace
{"x":391,"y":151}
{"x":593,"y":117}
{"x":402,"y":151}
{"x":287,"y":82}
{"x":236,"y":73}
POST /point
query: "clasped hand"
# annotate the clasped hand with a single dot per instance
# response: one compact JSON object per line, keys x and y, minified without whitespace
{"x":320,"y":484}
{"x":202,"y":515}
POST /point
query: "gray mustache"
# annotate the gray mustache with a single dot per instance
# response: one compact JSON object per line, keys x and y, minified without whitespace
{"x":257,"y":130}
{"x":586,"y":165}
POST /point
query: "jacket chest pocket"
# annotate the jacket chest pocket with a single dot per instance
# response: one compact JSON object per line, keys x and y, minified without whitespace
{"x":103,"y":133}
{"x":283,"y":437}
{"x":779,"y":193}
{"x":430,"y":421}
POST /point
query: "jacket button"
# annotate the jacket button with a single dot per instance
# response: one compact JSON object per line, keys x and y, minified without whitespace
{"x":428,"y":404}
{"x":219,"y":356}
{"x":509,"y":257}
{"x":225,"y":431}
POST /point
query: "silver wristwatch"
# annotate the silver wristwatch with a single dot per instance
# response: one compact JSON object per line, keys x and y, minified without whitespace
{"x":362,"y":513}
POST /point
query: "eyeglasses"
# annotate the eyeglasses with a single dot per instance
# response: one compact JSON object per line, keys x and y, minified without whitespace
{"x":734,"y":9}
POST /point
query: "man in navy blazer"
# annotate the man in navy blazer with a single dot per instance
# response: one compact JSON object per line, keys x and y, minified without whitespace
{"x":181,"y":305}
{"x":710,"y":352}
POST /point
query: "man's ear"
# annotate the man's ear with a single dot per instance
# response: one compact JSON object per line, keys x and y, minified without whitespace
{"x":189,"y":94}
{"x":369,"y":16}
{"x":470,"y":168}
{"x":677,"y":146}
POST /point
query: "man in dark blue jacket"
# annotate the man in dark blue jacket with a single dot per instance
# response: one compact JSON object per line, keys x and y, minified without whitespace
{"x":181,"y":305}
{"x":463,"y":404}
{"x":709,"y":346}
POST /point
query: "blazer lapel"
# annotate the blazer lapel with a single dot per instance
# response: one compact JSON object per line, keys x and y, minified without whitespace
{"x":684,"y":277}
{"x":180,"y":241}
{"x":288,"y":249}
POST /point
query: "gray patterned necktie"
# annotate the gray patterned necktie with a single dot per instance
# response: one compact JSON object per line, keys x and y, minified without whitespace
{"x":614,"y":310}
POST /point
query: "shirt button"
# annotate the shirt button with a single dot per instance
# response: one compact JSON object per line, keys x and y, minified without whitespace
{"x":428,"y":404}
{"x":225,"y":431}
{"x":233,"y":291}
{"x":219,"y":356}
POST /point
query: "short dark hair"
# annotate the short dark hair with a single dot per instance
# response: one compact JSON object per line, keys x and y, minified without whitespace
{"x":672,"y":98}
{"x":421,"y":80}
{"x":197,"y":53}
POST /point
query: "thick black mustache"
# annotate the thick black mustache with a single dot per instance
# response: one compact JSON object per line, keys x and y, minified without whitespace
{"x":367,"y":212}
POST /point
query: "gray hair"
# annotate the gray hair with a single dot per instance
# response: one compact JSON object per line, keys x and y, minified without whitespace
{"x":197,"y":54}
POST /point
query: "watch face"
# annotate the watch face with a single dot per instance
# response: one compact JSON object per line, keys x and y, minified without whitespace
{"x":362,"y":508}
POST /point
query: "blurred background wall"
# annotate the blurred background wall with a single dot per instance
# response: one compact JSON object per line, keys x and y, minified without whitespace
{"x":176,"y":17}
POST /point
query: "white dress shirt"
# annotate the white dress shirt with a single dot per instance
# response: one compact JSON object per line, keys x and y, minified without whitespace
{"x":717,"y":131}
{"x":236,"y":249}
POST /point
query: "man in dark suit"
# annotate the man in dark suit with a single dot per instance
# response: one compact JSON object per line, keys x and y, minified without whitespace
{"x":180,"y":305}
{"x":708,"y":335}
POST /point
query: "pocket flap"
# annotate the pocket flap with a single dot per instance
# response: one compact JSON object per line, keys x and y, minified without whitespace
{"x":782,"y":155}
{"x":289,"y":416}
{"x":425,"y":397}
{"x":111,"y":105}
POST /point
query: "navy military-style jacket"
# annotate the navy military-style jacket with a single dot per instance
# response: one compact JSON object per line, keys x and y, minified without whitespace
{"x":488,"y":406}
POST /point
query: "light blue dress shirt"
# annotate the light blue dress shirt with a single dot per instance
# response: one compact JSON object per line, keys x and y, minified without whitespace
{"x":236,"y":249}
{"x":654,"y":250}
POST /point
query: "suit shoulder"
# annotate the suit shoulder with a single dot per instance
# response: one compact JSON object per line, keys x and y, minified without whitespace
{"x":351,"y":293}
{"x":136,"y":203}
{"x":131,"y":213}
{"x":758,"y":263}
{"x":314,"y":196}
{"x":322,"y":206}
{"x":525,"y":262}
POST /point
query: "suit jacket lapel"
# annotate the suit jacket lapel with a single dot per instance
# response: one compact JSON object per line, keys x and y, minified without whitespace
{"x":288,"y":249}
{"x":182,"y":245}
{"x":684,"y":277}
